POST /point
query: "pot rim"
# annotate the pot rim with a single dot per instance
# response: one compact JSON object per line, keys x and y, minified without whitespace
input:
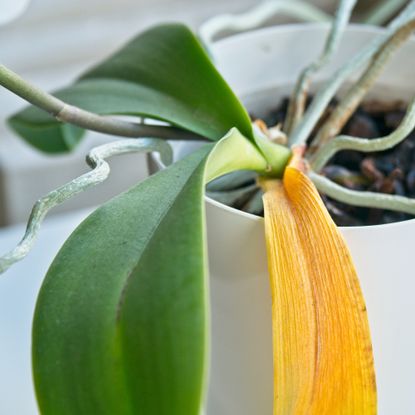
{"x":291,"y":27}
{"x":255,"y":218}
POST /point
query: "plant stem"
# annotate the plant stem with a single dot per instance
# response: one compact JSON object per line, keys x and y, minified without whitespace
{"x":298,"y":98}
{"x":85,"y":119}
{"x":360,"y":198}
{"x":96,"y":159}
{"x":354,"y":96}
{"x":324,"y":95}
{"x":344,"y":142}
{"x":383,"y":12}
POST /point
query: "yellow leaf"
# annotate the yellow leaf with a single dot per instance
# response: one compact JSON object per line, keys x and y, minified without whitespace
{"x":323,"y":361}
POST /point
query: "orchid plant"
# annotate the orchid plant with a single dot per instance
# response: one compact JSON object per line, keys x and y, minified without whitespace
{"x":121,"y":321}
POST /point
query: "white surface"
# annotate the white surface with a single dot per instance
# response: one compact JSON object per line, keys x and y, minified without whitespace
{"x":11,"y":9}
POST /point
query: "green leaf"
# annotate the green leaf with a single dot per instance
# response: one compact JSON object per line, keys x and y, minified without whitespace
{"x":49,"y":137}
{"x":120,"y":322}
{"x":234,"y":152}
{"x":164,"y":74}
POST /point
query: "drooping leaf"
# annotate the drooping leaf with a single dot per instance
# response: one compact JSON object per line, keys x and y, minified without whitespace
{"x":164,"y":74}
{"x":323,"y":361}
{"x":120,"y":322}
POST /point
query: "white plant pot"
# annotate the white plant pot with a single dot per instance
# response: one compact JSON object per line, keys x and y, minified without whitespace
{"x":261,"y":66}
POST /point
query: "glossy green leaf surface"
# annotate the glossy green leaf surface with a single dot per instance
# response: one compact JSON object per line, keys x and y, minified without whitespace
{"x":233,"y":152}
{"x":120,"y":322}
{"x":164,"y":74}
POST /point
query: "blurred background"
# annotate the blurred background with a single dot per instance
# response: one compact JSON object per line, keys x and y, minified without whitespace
{"x":53,"y":41}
